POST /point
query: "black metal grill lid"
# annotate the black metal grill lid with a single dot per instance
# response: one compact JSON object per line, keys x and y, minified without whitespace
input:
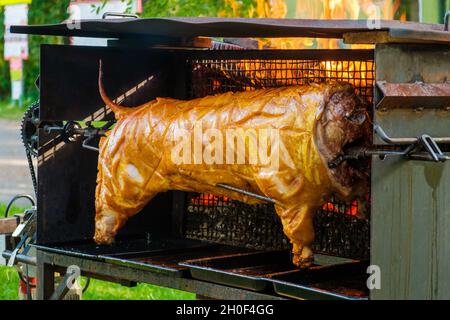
{"x":393,"y":31}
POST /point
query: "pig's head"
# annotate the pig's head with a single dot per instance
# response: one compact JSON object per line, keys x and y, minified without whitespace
{"x":344,"y":123}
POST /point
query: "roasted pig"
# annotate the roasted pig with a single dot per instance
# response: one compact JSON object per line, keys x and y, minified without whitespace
{"x":169,"y":144}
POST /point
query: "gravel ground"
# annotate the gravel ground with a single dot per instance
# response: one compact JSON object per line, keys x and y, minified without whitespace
{"x":14,"y":175}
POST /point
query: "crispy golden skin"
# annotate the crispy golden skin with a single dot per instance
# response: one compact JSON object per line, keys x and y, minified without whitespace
{"x":136,"y":160}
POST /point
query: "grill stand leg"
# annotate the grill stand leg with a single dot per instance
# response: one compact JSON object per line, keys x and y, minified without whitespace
{"x":46,"y":279}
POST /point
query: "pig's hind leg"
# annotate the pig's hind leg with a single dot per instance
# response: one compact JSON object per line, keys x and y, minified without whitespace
{"x":298,"y":227}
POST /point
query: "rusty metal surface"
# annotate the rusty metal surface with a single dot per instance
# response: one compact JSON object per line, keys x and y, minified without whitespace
{"x":414,"y":95}
{"x":397,"y":63}
{"x":410,"y":227}
{"x":419,"y":36}
{"x":171,"y":28}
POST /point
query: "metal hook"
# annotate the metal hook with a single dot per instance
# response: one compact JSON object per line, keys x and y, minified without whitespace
{"x":117,"y":14}
{"x":446,"y":19}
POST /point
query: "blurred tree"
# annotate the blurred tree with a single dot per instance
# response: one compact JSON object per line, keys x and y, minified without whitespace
{"x":195,"y":8}
{"x":97,"y":8}
{"x":5,"y":84}
{"x":41,"y":12}
{"x":407,"y":10}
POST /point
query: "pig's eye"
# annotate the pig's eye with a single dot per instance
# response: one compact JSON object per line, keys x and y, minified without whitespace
{"x":356,"y":117}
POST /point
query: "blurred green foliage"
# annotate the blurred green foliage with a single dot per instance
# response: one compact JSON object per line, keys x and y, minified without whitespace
{"x":98,"y":8}
{"x":5,"y":84}
{"x":195,"y":8}
{"x":55,"y":11}
{"x":41,"y":12}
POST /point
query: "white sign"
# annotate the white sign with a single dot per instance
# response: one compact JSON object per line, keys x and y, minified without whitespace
{"x":83,"y":10}
{"x":16,"y":89}
{"x":16,"y":45}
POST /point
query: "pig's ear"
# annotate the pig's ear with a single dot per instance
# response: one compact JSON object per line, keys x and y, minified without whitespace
{"x":328,"y":90}
{"x":320,"y":113}
{"x":118,"y":110}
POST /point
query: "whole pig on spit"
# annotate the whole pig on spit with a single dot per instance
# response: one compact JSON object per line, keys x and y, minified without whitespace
{"x":273,"y":142}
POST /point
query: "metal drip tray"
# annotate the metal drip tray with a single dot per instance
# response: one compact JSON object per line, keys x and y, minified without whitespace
{"x":243,"y":270}
{"x":335,"y":282}
{"x":163,"y":256}
{"x":253,"y":270}
{"x":171,"y":261}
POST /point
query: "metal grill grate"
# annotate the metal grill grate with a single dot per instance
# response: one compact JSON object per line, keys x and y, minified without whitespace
{"x":219,"y":76}
{"x":222,"y":220}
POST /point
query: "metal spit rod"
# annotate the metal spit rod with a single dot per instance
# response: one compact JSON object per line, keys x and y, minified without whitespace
{"x":72,"y":130}
{"x":412,"y":152}
{"x":245,"y":192}
{"x":382,"y":134}
{"x":360,"y":153}
{"x":23,"y":258}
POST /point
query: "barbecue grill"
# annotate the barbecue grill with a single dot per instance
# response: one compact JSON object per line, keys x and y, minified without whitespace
{"x":220,"y":248}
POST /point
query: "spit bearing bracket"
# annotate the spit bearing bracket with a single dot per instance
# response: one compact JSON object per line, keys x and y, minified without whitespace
{"x":72,"y":131}
{"x":421,"y":148}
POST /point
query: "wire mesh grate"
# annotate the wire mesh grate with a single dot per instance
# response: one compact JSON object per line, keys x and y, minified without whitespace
{"x":338,"y":229}
{"x":219,"y":76}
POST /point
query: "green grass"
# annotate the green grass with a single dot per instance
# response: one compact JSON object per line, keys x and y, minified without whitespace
{"x":9,"y":280}
{"x":12,"y":211}
{"x":11,"y":111}
{"x":9,"y":284}
{"x":98,"y":290}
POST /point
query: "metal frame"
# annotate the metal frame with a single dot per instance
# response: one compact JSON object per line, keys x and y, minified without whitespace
{"x":49,"y":263}
{"x":168,"y":29}
{"x":56,"y":188}
{"x":410,"y":227}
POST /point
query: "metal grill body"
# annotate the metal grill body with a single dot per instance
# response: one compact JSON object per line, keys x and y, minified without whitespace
{"x":406,"y":231}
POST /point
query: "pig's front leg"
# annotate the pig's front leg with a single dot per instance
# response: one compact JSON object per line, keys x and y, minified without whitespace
{"x":123,"y":190}
{"x":109,"y":221}
{"x":115,"y":205}
{"x":298,"y":227}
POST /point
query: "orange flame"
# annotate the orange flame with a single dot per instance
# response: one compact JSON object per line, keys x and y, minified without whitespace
{"x":316,"y":9}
